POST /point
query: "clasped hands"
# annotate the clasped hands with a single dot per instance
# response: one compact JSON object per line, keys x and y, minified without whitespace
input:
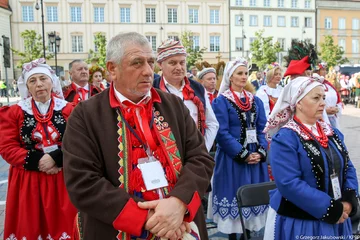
{"x":166,"y":218}
{"x":47,"y":165}
{"x":347,"y":208}
{"x":253,"y":158}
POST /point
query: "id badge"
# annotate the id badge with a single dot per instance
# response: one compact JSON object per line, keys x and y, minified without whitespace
{"x":251,"y":135}
{"x":152,"y":173}
{"x":335,"y":186}
{"x":50,"y":148}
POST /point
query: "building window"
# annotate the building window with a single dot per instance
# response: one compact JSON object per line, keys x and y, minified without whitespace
{"x":214,"y":43}
{"x":193,"y":15}
{"x":307,"y":3}
{"x":75,"y":14}
{"x":294,"y":3}
{"x":281,"y":21}
{"x":294,"y":21}
{"x":267,"y":21}
{"x":282,"y":43}
{"x":253,"y":3}
{"x":355,"y":24}
{"x":239,"y":20}
{"x":328,"y":24}
{"x":27,"y":14}
{"x":174,"y":37}
{"x":196,"y":43}
{"x":124,"y":15}
{"x":253,"y":20}
{"x":77,"y":44}
{"x":238,"y":2}
{"x":355,"y":46}
{"x":342,"y":43}
{"x":52,"y":14}
{"x":150,"y":15}
{"x":214,"y":16}
{"x":342,"y":23}
{"x":308,"y":22}
{"x":172,"y":15}
{"x":239,"y":44}
{"x":266,"y":3}
{"x":281,"y":3}
{"x":98,"y":14}
{"x":152,"y":40}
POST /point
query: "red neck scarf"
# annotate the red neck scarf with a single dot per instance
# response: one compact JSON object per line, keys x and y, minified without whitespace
{"x":189,"y":94}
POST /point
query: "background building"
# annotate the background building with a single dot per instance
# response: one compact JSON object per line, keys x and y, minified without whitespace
{"x":76,"y":23}
{"x":340,"y":19}
{"x":285,"y":20}
{"x":5,"y":13}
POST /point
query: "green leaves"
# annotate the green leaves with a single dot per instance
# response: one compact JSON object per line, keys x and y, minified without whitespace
{"x":331,"y":53}
{"x":263,"y":49}
{"x":99,"y":56}
{"x":33,"y":48}
{"x":193,"y":54}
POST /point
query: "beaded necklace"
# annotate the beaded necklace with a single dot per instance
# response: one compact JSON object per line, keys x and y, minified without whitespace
{"x":43,"y":118}
{"x":245,"y":106}
{"x":322,"y":138}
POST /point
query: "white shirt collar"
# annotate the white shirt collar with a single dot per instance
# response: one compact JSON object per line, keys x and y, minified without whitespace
{"x":43,"y":107}
{"x":86,"y":87}
{"x":122,"y":98}
{"x":169,"y":85}
{"x":312,"y":128}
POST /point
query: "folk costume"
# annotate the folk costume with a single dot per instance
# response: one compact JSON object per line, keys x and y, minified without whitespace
{"x":93,"y":69}
{"x":102,"y":174}
{"x":306,"y":162}
{"x":37,"y":204}
{"x":333,"y":98}
{"x":75,"y":93}
{"x":237,"y":113}
{"x":191,"y":93}
{"x":200,"y":75}
{"x":269,"y":95}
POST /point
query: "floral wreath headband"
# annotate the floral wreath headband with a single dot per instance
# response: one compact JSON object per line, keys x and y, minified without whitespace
{"x":272,"y":66}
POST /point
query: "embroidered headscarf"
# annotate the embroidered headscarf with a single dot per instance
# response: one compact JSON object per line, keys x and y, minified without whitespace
{"x":284,"y":108}
{"x":205,"y":71}
{"x":34,"y":67}
{"x":170,"y":48}
{"x":230,"y":67}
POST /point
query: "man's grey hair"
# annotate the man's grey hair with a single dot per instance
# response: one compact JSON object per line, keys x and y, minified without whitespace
{"x":74,"y":61}
{"x":117,"y":45}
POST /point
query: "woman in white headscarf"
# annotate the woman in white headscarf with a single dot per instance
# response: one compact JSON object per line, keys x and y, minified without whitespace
{"x":316,"y":181}
{"x":37,"y":204}
{"x":241,"y":151}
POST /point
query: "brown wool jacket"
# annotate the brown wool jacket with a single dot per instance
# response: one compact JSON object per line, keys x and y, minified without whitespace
{"x":90,"y":148}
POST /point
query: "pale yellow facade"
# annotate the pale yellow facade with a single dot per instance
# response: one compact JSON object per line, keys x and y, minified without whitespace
{"x":159,"y":29}
{"x":341,"y":20}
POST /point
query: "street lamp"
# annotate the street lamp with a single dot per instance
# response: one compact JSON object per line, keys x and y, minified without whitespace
{"x":42,"y":23}
{"x":55,"y":39}
{"x":243,"y":37}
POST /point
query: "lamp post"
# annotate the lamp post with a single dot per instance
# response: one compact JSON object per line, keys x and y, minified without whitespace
{"x":241,"y":21}
{"x":42,"y":23}
{"x":55,"y":39}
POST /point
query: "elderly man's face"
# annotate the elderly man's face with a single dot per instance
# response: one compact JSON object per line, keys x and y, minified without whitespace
{"x":133,"y":77}
{"x":209,"y":82}
{"x":80,"y":73}
{"x":174,"y":68}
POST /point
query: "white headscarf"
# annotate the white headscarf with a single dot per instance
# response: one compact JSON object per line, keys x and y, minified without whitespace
{"x":230,"y":67}
{"x":34,"y":67}
{"x":284,"y":108}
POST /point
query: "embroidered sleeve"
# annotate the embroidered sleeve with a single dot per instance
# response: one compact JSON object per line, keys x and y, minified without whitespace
{"x":32,"y":160}
{"x":349,"y":195}
{"x":242,"y":155}
{"x":334,"y":212}
{"x":57,"y":156}
{"x":262,"y":153}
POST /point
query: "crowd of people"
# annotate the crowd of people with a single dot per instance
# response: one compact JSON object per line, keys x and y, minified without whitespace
{"x":128,"y":157}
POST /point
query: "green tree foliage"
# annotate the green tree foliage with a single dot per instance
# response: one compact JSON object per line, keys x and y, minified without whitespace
{"x":33,"y":48}
{"x":100,"y":55}
{"x":264,"y":51}
{"x":331,"y":53}
{"x":193,"y":54}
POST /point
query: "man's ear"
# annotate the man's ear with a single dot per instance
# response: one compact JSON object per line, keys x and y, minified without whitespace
{"x":111,"y":67}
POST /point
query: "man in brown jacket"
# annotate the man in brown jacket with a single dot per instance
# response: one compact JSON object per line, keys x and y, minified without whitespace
{"x":135,"y":164}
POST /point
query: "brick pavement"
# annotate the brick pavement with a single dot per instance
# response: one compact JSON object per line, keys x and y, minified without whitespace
{"x":350,"y":126}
